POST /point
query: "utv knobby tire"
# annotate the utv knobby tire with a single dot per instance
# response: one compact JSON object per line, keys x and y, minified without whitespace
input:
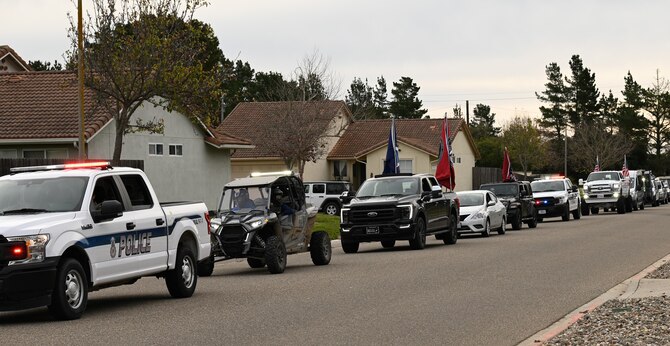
{"x":206,"y":267}
{"x":419,"y":240}
{"x":350,"y":246}
{"x":181,"y":280}
{"x":319,"y":248}
{"x":70,"y":294}
{"x":255,"y":262}
{"x":275,"y":255}
{"x":388,"y":244}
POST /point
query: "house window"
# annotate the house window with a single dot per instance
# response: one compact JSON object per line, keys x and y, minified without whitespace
{"x":340,"y":168}
{"x":175,"y":150}
{"x":458,"y":160}
{"x":34,"y":154}
{"x":155,"y":149}
{"x":405,"y":166}
{"x":8,"y":154}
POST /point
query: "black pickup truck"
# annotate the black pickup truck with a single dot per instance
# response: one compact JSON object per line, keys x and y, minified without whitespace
{"x":517,"y":197}
{"x":399,"y":207}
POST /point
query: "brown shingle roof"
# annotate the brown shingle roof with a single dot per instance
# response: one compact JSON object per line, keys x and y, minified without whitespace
{"x":39,"y":105}
{"x":364,"y":136}
{"x":245,"y":119}
{"x":45,"y":105}
{"x":4,"y":50}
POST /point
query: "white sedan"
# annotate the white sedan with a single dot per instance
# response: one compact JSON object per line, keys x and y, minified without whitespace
{"x":480,"y":212}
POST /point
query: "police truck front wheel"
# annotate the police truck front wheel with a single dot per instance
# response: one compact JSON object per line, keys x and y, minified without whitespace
{"x":182,"y":279}
{"x":70,"y":295}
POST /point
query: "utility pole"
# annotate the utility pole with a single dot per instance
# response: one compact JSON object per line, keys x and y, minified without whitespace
{"x":467,"y":112}
{"x":565,"y":161}
{"x":80,"y":65}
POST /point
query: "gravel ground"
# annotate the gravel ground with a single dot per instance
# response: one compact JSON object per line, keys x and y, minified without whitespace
{"x":663,"y":272}
{"x":642,"y":321}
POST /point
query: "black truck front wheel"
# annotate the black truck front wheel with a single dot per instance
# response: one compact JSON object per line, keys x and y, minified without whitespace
{"x":419,"y":240}
{"x":349,"y":246}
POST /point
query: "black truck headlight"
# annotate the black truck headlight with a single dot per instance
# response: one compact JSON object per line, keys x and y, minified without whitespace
{"x":35,"y":247}
{"x":406,"y":211}
{"x":344,"y":215}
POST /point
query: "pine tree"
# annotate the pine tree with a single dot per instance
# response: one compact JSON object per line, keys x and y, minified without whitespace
{"x":406,"y":104}
{"x":379,"y":99}
{"x":582,"y":93}
{"x":483,"y":122}
{"x":554,"y":115}
{"x":359,"y":99}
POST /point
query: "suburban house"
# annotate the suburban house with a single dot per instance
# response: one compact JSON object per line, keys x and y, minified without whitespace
{"x":361,"y":150}
{"x":39,"y":119}
{"x":10,"y":61}
{"x":246,"y":118}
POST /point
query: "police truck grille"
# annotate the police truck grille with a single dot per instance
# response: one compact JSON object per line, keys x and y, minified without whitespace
{"x":373,"y":215}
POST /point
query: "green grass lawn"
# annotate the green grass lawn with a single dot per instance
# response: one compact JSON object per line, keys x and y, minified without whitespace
{"x":328,"y":223}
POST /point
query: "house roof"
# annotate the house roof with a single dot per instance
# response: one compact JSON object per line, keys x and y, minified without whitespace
{"x":365,"y":136}
{"x":45,"y":105}
{"x":246,"y":117}
{"x":8,"y":51}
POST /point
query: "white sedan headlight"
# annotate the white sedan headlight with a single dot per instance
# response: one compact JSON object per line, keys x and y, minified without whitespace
{"x":479,"y":215}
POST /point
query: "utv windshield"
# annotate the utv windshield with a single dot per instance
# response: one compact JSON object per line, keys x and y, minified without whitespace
{"x":42,"y":195}
{"x":603,"y":176}
{"x":471,"y":199}
{"x":245,"y":199}
{"x":545,"y":186}
{"x":388,"y":187}
{"x":503,"y":189}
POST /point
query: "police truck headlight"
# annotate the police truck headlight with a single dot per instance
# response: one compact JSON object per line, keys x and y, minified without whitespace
{"x":406,"y":211}
{"x":344,"y":215}
{"x":36,"y":248}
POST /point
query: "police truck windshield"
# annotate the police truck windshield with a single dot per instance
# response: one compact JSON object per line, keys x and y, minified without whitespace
{"x":42,"y":195}
{"x":545,"y":186}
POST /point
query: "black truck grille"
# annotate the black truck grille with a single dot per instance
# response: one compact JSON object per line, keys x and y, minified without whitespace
{"x":372,"y":215}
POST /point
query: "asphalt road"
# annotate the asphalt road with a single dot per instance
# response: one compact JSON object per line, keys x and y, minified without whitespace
{"x":481,"y":291}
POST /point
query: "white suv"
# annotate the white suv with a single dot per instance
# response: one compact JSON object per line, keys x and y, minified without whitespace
{"x":556,"y":197}
{"x":325,"y":195}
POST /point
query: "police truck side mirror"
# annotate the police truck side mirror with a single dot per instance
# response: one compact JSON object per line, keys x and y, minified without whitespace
{"x":109,"y":210}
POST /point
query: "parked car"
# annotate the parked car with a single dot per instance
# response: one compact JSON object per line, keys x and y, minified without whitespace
{"x":650,"y":189}
{"x":518,"y":199}
{"x":399,"y":207}
{"x":263,"y":218}
{"x":325,"y":195}
{"x":556,"y":197}
{"x":69,"y":229}
{"x":661,"y":191}
{"x":481,"y":211}
{"x":636,"y":189}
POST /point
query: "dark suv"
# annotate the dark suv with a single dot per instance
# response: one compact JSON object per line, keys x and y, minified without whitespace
{"x":517,"y":197}
{"x":399,"y":207}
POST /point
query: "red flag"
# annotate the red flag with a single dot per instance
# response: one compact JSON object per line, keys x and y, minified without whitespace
{"x":507,"y":174}
{"x":445,"y":168}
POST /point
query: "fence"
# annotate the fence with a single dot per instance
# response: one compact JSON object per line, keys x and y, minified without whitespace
{"x":6,"y":164}
{"x":483,"y":175}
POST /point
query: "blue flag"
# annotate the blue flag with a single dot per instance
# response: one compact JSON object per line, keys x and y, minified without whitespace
{"x":392,"y":164}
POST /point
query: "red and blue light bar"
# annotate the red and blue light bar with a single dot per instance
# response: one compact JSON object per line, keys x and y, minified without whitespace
{"x":71,"y":165}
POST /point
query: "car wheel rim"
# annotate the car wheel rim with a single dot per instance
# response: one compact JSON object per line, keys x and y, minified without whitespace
{"x":187,"y":271}
{"x":74,"y":289}
{"x":331,"y":209}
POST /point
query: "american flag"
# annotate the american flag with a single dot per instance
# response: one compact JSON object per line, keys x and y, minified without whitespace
{"x":624,"y":169}
{"x":597,"y":167}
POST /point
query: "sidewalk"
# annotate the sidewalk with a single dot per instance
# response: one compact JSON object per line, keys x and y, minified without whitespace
{"x":633,"y":312}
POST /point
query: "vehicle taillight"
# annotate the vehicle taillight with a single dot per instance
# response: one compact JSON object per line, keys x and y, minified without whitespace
{"x":209,"y":223}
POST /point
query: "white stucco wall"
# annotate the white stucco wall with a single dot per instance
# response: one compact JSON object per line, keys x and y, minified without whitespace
{"x":198,"y":175}
{"x":424,"y":163}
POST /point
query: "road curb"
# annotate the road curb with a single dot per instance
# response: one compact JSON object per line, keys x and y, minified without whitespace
{"x":335,"y":243}
{"x":621,"y":291}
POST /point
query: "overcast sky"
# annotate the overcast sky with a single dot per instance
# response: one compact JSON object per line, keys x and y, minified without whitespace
{"x":492,"y":52}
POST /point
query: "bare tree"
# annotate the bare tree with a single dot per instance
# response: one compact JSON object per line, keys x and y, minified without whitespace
{"x":142,"y":51}
{"x":524,"y":141}
{"x":593,"y":140}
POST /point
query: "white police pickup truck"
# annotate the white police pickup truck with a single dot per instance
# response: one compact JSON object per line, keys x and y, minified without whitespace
{"x":69,"y":229}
